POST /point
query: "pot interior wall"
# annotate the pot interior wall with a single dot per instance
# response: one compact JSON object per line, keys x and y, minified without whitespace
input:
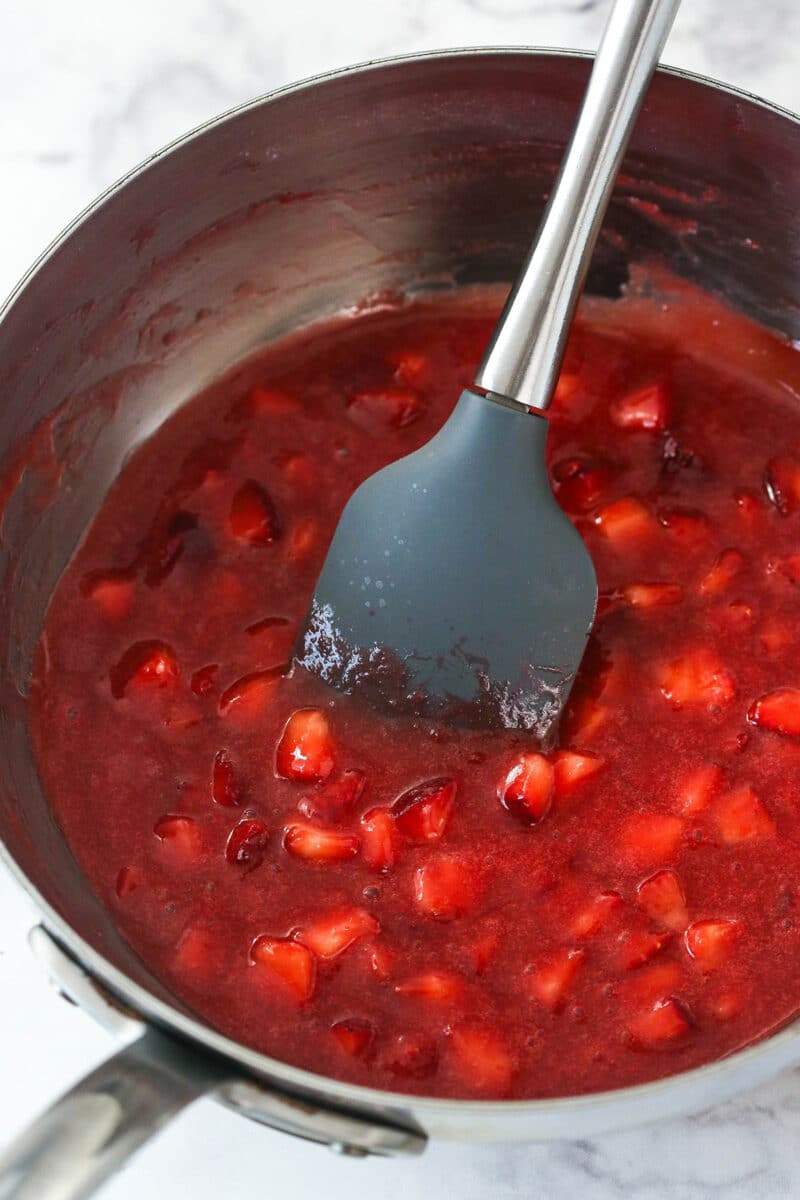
{"x":424,"y":173}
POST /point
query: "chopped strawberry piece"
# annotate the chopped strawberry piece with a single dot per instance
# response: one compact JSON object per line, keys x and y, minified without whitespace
{"x":727,"y":1006}
{"x":661,"y":979}
{"x":698,"y":787}
{"x":436,"y":987}
{"x":379,"y":839}
{"x":625,"y":521}
{"x":196,"y":951}
{"x":247,"y":697}
{"x":661,"y":1026}
{"x":550,"y":981}
{"x":722,"y":574}
{"x":570,"y":769}
{"x":639,"y":946}
{"x":145,"y":665}
{"x":527,"y":789}
{"x":782,"y":483}
{"x":336,"y":800}
{"x":748,"y":507}
{"x":315,"y":844}
{"x":128,"y":880}
{"x":226,"y":787}
{"x":381,"y":962}
{"x":580,"y":484}
{"x":788,"y":567}
{"x":423,"y":813}
{"x":181,"y":836}
{"x":410,"y":366}
{"x":710,"y":942}
{"x":661,"y":897}
{"x":111,"y":591}
{"x":652,"y":595}
{"x":776,"y":635}
{"x":687,"y":525}
{"x":696,"y":678}
{"x":202,"y":683}
{"x":481,"y":1058}
{"x":595,"y":915}
{"x":411,"y":1055}
{"x":445,"y":888}
{"x":299,"y":470}
{"x":389,"y":409}
{"x":332,"y":934}
{"x":651,"y":837}
{"x":252,"y":517}
{"x":306,"y":750}
{"x":353,"y":1037}
{"x":482,"y":951}
{"x":741,"y":817}
{"x":303,"y":539}
{"x":291,"y":963}
{"x":778,"y":711}
{"x":247,"y":843}
{"x":271,"y":402}
{"x":646,"y":408}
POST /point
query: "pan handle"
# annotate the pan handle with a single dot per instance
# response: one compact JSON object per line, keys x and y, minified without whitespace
{"x":86,"y":1135}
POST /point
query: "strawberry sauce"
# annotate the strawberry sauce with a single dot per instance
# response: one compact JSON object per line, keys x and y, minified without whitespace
{"x":406,"y":905}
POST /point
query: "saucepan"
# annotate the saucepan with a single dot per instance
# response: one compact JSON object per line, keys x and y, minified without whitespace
{"x":411,"y":174}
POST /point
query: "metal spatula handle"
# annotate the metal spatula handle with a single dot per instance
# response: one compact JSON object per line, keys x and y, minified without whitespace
{"x":524,"y":355}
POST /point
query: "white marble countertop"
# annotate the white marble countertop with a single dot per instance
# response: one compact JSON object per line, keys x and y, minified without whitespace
{"x":86,"y":90}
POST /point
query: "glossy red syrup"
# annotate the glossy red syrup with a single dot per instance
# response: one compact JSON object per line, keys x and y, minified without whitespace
{"x":405,"y":905}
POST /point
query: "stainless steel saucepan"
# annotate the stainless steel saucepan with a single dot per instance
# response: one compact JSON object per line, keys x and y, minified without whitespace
{"x":413,"y":173}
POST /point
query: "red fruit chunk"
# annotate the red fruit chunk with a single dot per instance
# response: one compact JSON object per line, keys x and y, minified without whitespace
{"x":445,"y":888}
{"x":651,"y":837}
{"x":482,"y":951}
{"x":336,"y":800}
{"x":181,"y":836}
{"x":741,"y":817}
{"x":722,"y":574}
{"x":638,"y":946}
{"x":379,"y":839}
{"x":625,"y":521}
{"x":145,"y":665}
{"x":303,"y":539}
{"x":655,"y":982}
{"x":788,"y":567}
{"x":782,"y":483}
{"x":410,"y":366}
{"x":710,"y":942}
{"x":698,"y":787}
{"x":778,"y":710}
{"x":435,"y":987}
{"x":112,"y":592}
{"x":645,"y":409}
{"x":332,"y":934}
{"x":252,"y":517}
{"x":550,"y":981}
{"x":481,"y":1058}
{"x":527,"y":789}
{"x":660,"y":1027}
{"x":288,"y":962}
{"x":696,"y":678}
{"x":304,"y":840}
{"x":196,"y":951}
{"x":353,"y":1037}
{"x":410,"y":1055}
{"x":272,"y":402}
{"x":381,"y":962}
{"x":595,"y":916}
{"x":570,"y":769}
{"x":423,"y":812}
{"x":661,"y":897}
{"x":248,"y":697}
{"x":299,"y":470}
{"x":727,"y":1006}
{"x":247,"y":843}
{"x":306,"y":749}
{"x":580,"y":484}
{"x":226,"y":787}
{"x":389,"y":409}
{"x":128,"y":880}
{"x":652,"y":595}
{"x":202,"y":683}
{"x":687,"y":526}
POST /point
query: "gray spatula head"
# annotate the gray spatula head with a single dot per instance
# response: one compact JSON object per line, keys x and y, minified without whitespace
{"x":455,"y":586}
